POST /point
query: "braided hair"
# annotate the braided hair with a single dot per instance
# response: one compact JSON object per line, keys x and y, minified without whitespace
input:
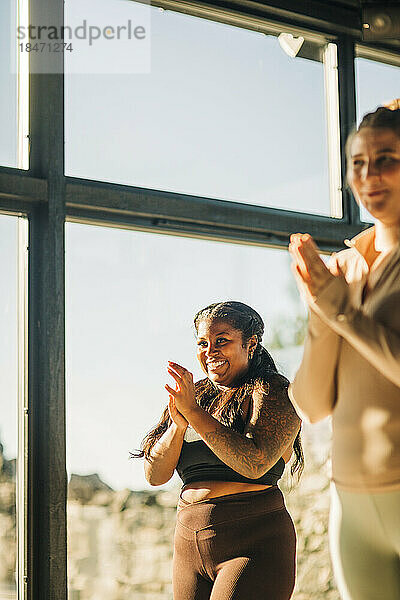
{"x":262,"y":370}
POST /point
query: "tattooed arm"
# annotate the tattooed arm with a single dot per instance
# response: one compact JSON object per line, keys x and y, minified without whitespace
{"x":272,"y":428}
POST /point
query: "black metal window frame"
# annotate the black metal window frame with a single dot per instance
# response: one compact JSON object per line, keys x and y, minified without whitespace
{"x":48,"y":198}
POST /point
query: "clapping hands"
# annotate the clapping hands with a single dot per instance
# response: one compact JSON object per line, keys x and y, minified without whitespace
{"x":311,"y":273}
{"x":184,"y":399}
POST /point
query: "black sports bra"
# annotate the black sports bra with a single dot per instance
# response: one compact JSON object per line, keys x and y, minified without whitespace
{"x":198,"y":463}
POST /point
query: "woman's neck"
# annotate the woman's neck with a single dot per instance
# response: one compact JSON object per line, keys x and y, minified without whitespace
{"x":386,"y":236}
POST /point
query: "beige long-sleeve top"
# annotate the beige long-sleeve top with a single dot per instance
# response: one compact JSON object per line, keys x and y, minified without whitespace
{"x":351,"y":367}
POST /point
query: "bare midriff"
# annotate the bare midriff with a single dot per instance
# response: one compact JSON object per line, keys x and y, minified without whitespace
{"x":203,"y":490}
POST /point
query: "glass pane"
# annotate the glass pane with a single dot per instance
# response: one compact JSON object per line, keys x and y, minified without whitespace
{"x":377,"y":83}
{"x":223,"y":113}
{"x":8,"y":407}
{"x":8,"y":85}
{"x":131,"y":298}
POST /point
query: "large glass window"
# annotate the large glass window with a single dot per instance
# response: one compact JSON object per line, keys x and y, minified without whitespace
{"x":131,"y":298}
{"x":8,"y":408}
{"x":8,"y":85}
{"x":378,"y":82}
{"x":14,"y":85}
{"x":224,"y":112}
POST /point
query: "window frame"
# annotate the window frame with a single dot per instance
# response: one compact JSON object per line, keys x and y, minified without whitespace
{"x":48,"y":198}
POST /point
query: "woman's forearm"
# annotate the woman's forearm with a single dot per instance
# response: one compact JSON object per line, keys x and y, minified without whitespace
{"x":378,"y":342}
{"x":272,"y":427}
{"x":313,"y":391}
{"x":164,"y":456}
{"x":248,"y":457}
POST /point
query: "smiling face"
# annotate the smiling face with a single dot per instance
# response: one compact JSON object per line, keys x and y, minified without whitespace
{"x":222,"y":354}
{"x":374,"y":173}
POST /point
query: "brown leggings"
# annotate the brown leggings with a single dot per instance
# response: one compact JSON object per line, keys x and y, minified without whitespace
{"x":236,"y":547}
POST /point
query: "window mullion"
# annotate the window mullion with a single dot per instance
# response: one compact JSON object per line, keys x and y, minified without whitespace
{"x":347,"y":116}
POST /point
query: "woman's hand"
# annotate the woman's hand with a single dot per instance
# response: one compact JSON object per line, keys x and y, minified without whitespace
{"x":184,"y":394}
{"x":310,"y":270}
{"x":165,"y":453}
{"x":176,"y":416}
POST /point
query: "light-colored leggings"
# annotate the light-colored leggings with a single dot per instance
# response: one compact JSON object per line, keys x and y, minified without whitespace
{"x":364,"y":533}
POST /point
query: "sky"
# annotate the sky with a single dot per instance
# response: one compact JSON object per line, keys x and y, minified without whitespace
{"x":8,"y":86}
{"x":223,"y":113}
{"x":204,"y":120}
{"x":131,"y":298}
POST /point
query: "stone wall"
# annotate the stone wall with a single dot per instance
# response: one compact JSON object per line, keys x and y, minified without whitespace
{"x":7,"y":528}
{"x":309,"y":507}
{"x":120,"y":545}
{"x":120,"y":542}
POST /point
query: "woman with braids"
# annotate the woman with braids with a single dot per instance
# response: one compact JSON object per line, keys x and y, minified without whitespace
{"x":351,"y":366}
{"x":228,"y":436}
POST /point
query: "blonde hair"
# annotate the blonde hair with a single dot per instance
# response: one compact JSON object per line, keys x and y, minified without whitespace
{"x":392,"y":104}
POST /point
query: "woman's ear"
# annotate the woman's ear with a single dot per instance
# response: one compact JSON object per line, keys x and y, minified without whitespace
{"x":252,"y":344}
